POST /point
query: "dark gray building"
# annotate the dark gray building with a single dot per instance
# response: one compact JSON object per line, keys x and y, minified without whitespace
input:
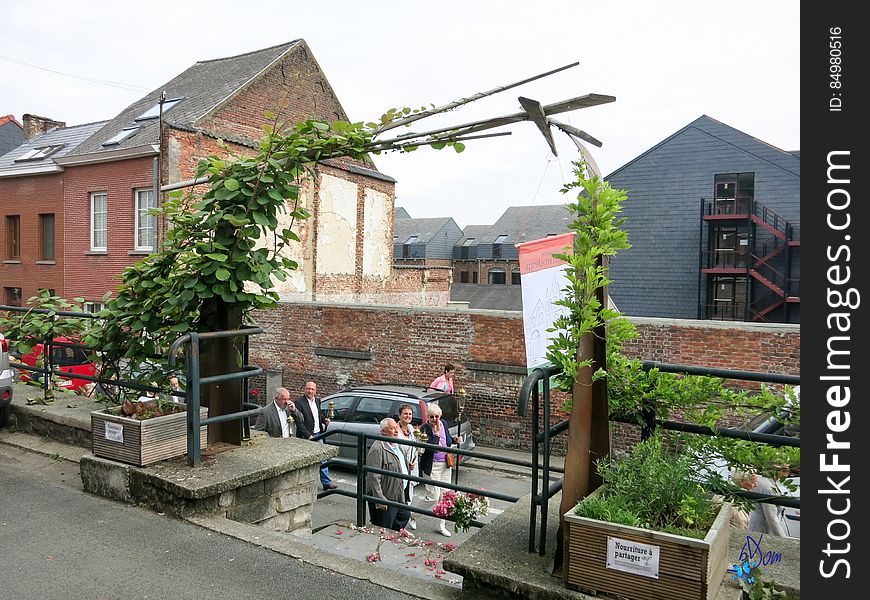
{"x":428,"y":238}
{"x":11,"y":134}
{"x":713,"y":216}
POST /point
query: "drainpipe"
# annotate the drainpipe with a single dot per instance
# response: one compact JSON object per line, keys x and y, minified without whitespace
{"x":156,"y":169}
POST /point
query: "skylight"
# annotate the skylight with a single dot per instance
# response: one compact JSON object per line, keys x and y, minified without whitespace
{"x":121,"y":136}
{"x":154,"y":111}
{"x":39,"y":153}
{"x":500,"y":239}
{"x":411,"y":240}
{"x":468,"y":242}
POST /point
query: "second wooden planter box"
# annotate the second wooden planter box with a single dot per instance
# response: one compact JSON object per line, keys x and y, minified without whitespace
{"x":641,"y":564}
{"x":141,"y":442}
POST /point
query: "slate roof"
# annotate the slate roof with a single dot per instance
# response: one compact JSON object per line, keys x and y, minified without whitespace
{"x":526,"y":223}
{"x":488,"y":296}
{"x":70,"y":137}
{"x":203,"y":87}
{"x":474,"y":232}
{"x":400,"y":213}
{"x":425,"y":228}
{"x":788,"y":161}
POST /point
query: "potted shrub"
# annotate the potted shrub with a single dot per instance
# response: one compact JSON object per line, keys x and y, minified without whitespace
{"x":650,"y":531}
{"x":142,"y":431}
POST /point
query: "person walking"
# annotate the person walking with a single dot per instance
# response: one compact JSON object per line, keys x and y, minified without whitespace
{"x":433,"y":464}
{"x":281,"y":418}
{"x":406,"y":431}
{"x":315,"y":423}
{"x":444,"y":382}
{"x":389,"y":457}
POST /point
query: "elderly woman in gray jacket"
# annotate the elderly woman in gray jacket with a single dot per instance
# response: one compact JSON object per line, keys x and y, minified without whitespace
{"x":389,"y":457}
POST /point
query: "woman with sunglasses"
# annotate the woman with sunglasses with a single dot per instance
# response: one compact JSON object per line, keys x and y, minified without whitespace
{"x":433,"y":464}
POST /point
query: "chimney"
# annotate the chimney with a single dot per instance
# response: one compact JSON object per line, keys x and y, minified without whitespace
{"x":35,"y":125}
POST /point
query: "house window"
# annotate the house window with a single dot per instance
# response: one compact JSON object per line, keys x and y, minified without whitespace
{"x":12,"y":296}
{"x":730,"y":246}
{"x":13,"y":237}
{"x":515,"y":277}
{"x":51,"y":291}
{"x":733,"y":193}
{"x":406,"y":247}
{"x":728,"y":298}
{"x":497,"y":276}
{"x":99,"y":221}
{"x":93,"y":307}
{"x":463,"y":277}
{"x":146,"y":225}
{"x":46,"y":237}
{"x":496,"y":246}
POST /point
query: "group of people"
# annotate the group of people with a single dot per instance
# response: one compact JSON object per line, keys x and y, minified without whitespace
{"x":408,"y":460}
{"x":303,"y":419}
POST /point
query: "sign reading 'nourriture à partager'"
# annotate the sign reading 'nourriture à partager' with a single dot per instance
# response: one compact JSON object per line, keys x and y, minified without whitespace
{"x":633,"y":557}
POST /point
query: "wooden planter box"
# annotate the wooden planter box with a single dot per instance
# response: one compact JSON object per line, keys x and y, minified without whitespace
{"x":141,"y":442}
{"x":620,"y":560}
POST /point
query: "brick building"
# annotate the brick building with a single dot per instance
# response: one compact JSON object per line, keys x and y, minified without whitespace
{"x":105,"y":183}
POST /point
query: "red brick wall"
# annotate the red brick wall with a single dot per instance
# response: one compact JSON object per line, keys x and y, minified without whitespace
{"x":90,"y":275}
{"x":29,"y":197}
{"x":410,"y":345}
{"x":309,"y":94}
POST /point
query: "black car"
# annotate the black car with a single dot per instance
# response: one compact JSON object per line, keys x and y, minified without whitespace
{"x":361,"y":409}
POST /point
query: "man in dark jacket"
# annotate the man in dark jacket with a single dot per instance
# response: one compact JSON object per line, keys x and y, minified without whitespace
{"x":281,"y":418}
{"x":315,"y":423}
{"x":387,"y":456}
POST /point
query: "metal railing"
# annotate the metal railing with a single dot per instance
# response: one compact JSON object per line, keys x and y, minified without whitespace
{"x":540,"y":377}
{"x":195,"y":383}
{"x":362,"y":469}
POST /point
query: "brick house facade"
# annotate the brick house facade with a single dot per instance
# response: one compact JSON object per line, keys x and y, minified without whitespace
{"x":104,"y":184}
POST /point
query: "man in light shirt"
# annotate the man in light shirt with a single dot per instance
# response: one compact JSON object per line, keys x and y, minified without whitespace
{"x":315,"y":423}
{"x":281,"y":418}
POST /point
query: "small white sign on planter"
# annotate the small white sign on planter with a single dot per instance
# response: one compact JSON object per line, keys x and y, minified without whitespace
{"x":115,"y":432}
{"x":633,"y":557}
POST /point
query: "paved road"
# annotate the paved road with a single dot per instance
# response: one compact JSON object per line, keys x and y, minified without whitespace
{"x":58,"y":542}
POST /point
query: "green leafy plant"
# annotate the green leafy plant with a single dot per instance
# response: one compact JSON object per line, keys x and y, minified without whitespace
{"x":42,"y":322}
{"x":655,"y":488}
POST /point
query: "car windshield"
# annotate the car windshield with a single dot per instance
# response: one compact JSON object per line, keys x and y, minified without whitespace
{"x":450,"y":408}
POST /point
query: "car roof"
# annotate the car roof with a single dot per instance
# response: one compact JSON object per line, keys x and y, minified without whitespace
{"x":415,"y":392}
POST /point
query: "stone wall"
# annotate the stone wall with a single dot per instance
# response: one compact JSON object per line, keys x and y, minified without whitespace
{"x":411,"y":345}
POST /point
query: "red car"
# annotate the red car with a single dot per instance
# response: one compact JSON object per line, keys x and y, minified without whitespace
{"x":68,"y":359}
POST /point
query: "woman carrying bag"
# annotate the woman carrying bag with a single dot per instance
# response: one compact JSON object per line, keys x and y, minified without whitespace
{"x":433,"y":464}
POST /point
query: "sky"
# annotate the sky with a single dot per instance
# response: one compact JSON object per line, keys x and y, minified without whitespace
{"x":667,"y":63}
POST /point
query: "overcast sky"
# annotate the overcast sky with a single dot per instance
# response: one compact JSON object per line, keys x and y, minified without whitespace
{"x":666,"y":62}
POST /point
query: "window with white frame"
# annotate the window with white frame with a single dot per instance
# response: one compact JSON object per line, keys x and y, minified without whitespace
{"x":99,"y":221}
{"x":146,"y":225}
{"x":93,"y":307}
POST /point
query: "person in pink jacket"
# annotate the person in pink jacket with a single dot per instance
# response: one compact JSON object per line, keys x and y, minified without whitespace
{"x":444,"y":383}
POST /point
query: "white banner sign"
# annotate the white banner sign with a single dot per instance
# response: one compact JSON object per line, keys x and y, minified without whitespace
{"x":633,"y":557}
{"x":543,"y":280}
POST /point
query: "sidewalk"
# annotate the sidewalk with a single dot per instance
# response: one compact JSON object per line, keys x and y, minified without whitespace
{"x":382,"y":556}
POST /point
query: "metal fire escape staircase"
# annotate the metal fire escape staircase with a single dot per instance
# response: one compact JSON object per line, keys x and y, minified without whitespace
{"x":778,"y":284}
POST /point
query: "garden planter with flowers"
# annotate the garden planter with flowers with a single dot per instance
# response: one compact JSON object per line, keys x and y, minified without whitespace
{"x":154,"y":432}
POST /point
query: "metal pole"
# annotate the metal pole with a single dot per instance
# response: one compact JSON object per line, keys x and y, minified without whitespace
{"x":533,"y":510}
{"x":360,"y":480}
{"x":545,"y":497}
{"x":193,"y":425}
